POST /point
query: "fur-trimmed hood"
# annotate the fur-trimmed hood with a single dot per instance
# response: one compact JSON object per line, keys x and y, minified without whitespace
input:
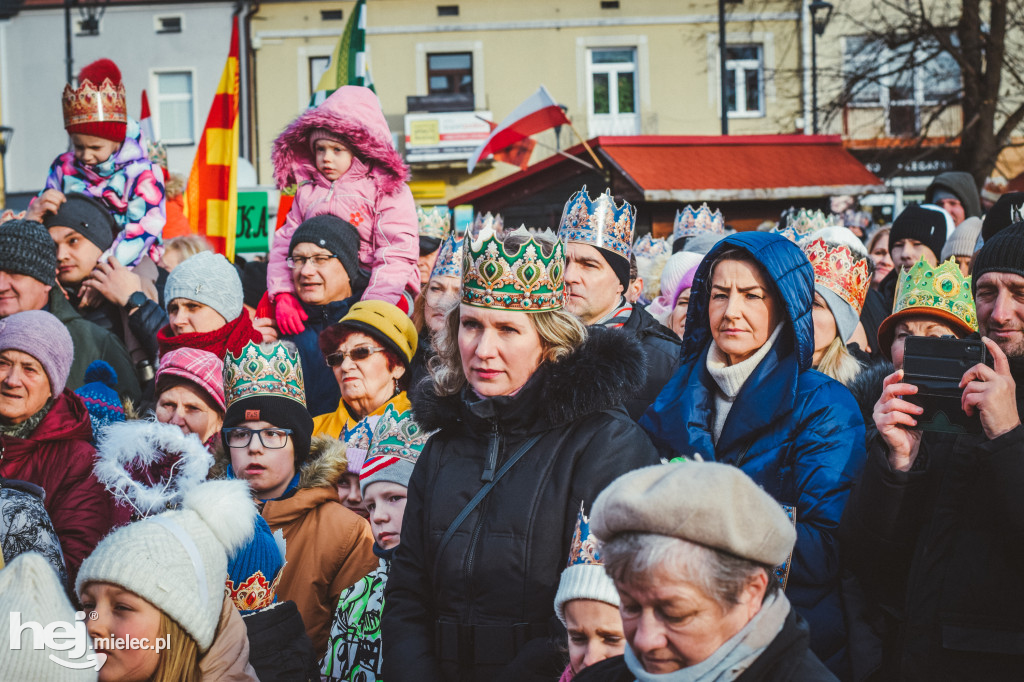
{"x":609,"y":367}
{"x":354,"y":113}
{"x":324,"y":466}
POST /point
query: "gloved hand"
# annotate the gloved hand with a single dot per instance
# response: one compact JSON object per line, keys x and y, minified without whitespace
{"x":265,"y":308}
{"x":289,"y":314}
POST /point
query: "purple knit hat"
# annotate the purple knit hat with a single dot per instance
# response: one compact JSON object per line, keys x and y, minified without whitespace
{"x":202,"y":368}
{"x":685,"y":283}
{"x":44,"y":337}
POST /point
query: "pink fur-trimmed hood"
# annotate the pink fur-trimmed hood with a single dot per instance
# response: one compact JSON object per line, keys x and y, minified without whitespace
{"x":353,"y":112}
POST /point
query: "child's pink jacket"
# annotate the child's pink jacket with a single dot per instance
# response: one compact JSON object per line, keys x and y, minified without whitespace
{"x":372,"y":195}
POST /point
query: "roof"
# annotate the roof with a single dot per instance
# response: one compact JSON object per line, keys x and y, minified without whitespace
{"x":677,"y":168}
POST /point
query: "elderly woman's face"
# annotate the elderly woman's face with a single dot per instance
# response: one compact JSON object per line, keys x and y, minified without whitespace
{"x":500,"y":350}
{"x":366,"y":384}
{"x":24,"y":386}
{"x":440,"y":296}
{"x":671,"y":624}
{"x":186,"y":409}
{"x":742,"y":309}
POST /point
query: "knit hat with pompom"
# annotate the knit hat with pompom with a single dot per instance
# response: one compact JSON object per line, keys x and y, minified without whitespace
{"x":100,"y":397}
{"x":178,"y":560}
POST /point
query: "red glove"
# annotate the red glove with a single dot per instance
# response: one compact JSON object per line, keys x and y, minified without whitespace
{"x":289,"y":314}
{"x":265,"y":308}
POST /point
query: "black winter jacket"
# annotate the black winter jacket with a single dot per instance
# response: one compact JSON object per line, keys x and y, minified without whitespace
{"x":494,"y":585}
{"x":940,"y":548}
{"x":786,"y":659}
{"x":279,"y":648}
{"x":662,"y":349}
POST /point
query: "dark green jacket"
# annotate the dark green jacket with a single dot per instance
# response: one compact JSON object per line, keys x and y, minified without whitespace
{"x":94,"y":343}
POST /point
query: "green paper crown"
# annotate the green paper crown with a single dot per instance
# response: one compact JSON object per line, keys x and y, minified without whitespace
{"x":525,"y":280}
{"x":397,"y":435}
{"x":943,"y":289}
{"x":263,"y":371}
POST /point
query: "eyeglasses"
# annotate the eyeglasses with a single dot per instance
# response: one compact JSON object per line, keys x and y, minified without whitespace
{"x":273,"y":439}
{"x":357,"y":354}
{"x":297,"y":262}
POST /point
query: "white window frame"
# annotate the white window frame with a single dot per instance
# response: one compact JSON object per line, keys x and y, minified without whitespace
{"x":766,"y":39}
{"x":156,"y":98}
{"x":642,"y":80}
{"x":304,"y":54}
{"x":739,"y":68}
{"x":613,"y":70}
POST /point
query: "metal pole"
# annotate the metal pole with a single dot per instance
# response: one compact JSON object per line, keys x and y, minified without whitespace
{"x":814,"y":76}
{"x":67,"y":39}
{"x":721,"y":66}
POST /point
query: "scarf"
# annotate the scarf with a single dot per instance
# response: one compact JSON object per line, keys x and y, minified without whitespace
{"x":231,"y":337}
{"x":25,"y":428}
{"x":734,"y":656}
{"x":731,"y":378}
{"x":618,"y":317}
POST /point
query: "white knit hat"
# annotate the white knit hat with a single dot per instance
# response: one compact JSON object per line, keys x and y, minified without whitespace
{"x":962,"y":242}
{"x":177,"y":561}
{"x":30,"y":587}
{"x":585,"y":578}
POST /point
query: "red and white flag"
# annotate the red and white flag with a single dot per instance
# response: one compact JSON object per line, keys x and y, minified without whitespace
{"x":539,"y":112}
{"x":146,"y":120}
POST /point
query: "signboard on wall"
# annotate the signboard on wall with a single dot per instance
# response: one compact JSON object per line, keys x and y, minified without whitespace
{"x":447,"y":136}
{"x":251,"y":232}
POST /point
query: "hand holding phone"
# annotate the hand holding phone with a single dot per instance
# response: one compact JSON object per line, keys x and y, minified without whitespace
{"x":991,"y":394}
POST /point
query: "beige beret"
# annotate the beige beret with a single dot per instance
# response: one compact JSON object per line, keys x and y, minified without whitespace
{"x":710,"y":504}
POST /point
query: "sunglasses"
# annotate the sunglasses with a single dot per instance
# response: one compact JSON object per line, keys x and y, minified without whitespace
{"x":357,"y":354}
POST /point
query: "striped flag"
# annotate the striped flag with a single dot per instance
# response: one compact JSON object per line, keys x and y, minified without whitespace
{"x":539,"y":112}
{"x":348,"y":62}
{"x":211,"y":198}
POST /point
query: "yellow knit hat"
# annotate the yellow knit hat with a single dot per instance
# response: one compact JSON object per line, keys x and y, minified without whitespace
{"x":385,"y":322}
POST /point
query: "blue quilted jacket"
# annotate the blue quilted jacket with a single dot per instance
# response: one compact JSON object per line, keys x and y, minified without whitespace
{"x":795,"y":431}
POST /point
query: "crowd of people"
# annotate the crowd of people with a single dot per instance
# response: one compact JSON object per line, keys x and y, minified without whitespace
{"x":392,"y":451}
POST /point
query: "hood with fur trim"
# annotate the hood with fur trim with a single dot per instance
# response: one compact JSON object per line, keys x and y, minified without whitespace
{"x":609,"y":367}
{"x":324,"y":466}
{"x":354,"y":113}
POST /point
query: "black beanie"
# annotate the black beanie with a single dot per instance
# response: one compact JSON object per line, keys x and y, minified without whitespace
{"x":1001,"y":216}
{"x":284,"y":413}
{"x":618,"y":264}
{"x":429,"y":245}
{"x":926,"y":225}
{"x":1003,"y":253}
{"x":330,"y":232}
{"x":86,"y":216}
{"x":254,"y":282}
{"x":27,"y":249}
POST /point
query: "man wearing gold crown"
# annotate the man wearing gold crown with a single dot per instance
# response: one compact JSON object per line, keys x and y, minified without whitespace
{"x":935,"y":526}
{"x":598,"y":237}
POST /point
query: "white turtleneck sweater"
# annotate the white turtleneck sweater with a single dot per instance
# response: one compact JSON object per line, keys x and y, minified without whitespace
{"x":730,"y":378}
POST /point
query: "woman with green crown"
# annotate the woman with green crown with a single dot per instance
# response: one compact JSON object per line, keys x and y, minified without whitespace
{"x":527,"y":405}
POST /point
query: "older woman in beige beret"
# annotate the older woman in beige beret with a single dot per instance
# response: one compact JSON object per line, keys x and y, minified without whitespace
{"x":693,"y":550}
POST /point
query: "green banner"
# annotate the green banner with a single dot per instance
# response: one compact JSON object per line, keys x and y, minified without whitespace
{"x":251,"y":235}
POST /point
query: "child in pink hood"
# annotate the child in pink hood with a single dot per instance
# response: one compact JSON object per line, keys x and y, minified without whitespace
{"x":341,"y":156}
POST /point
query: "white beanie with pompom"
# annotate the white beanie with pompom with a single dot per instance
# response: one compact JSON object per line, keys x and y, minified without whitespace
{"x":177,"y":561}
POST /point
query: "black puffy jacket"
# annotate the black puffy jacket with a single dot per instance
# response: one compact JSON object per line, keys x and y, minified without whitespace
{"x":495,"y":583}
{"x":662,"y":349}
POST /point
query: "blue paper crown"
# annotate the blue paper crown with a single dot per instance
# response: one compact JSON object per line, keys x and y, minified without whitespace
{"x":693,"y":221}
{"x":583,"y":550}
{"x":449,"y":258}
{"x":804,"y":223}
{"x":598,"y":222}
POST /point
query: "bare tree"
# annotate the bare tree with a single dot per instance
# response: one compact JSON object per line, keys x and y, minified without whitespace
{"x":937,"y":68}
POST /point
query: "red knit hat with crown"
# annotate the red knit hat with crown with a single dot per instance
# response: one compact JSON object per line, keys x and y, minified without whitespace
{"x":98,"y":106}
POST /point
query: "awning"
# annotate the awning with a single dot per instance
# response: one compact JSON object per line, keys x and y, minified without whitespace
{"x":675,"y":168}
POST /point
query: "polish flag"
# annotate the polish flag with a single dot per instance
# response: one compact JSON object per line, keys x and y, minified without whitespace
{"x":539,"y":112}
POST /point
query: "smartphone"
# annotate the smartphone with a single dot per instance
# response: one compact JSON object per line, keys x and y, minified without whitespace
{"x":935,"y":365}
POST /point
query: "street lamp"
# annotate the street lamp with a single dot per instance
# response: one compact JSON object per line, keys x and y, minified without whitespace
{"x":821,"y":12}
{"x":6,"y":133}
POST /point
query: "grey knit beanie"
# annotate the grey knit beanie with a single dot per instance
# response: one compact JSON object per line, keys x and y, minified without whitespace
{"x":963,"y":239}
{"x":27,"y":249}
{"x":44,"y":337}
{"x":208,"y":278}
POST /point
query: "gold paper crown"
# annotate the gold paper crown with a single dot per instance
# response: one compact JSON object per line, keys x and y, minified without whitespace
{"x":803,"y":223}
{"x":435,"y":224}
{"x":843,"y":272}
{"x":526,"y":279}
{"x":272,"y":372}
{"x":91,"y":104}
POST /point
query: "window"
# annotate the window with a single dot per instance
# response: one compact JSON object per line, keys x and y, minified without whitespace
{"x":168,"y":23}
{"x":447,"y":10}
{"x":317,"y":68}
{"x":744,"y":80}
{"x":904,"y":81}
{"x":450,"y":73}
{"x":612,"y":91}
{"x":331,"y":15}
{"x":175,"y":107}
